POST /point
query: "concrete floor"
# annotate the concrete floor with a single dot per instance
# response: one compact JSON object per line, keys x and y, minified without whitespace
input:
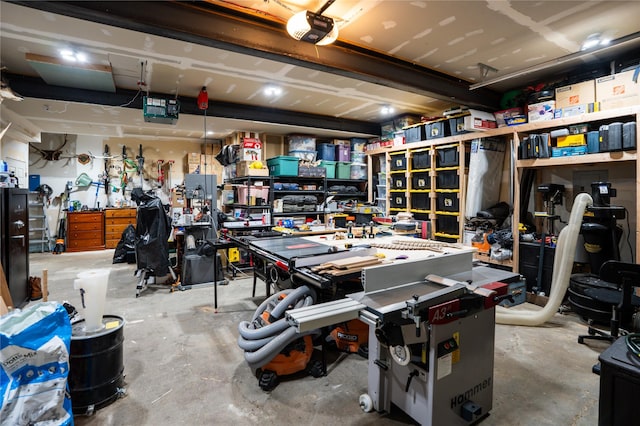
{"x":183,"y":366}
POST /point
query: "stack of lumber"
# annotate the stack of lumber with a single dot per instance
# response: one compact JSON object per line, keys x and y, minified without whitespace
{"x":346,"y":266}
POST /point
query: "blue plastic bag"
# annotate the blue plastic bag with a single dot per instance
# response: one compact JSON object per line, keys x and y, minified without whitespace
{"x":34,"y":361}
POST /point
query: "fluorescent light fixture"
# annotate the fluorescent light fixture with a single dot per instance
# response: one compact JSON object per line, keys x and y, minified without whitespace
{"x":312,"y":28}
{"x":73,"y":56}
{"x":209,"y":132}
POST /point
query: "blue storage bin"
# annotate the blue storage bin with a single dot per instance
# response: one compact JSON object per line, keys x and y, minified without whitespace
{"x":327,"y":151}
{"x":34,"y":182}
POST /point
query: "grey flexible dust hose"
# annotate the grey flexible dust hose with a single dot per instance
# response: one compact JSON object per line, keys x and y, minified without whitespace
{"x":562,"y":266}
{"x":262,"y":343}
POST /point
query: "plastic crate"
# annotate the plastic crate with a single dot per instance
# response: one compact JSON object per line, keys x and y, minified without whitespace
{"x":358,"y":171}
{"x":456,"y":126}
{"x":358,"y":144}
{"x":421,"y":181}
{"x":382,"y":191}
{"x":447,"y":202}
{"x":304,"y":155}
{"x":446,"y":224}
{"x":283,"y":165}
{"x":447,"y":179}
{"x":331,"y":168}
{"x":301,"y":143}
{"x":398,"y":201}
{"x":414,"y":133}
{"x":343,"y":170}
{"x":398,"y":182}
{"x":420,"y":160}
{"x":438,"y":129}
{"x":343,"y":152}
{"x":447,"y":157}
{"x":398,"y":162}
{"x":327,"y":151}
{"x":420,"y":201}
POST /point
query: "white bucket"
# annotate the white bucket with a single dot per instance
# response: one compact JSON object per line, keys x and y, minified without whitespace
{"x":93,"y":291}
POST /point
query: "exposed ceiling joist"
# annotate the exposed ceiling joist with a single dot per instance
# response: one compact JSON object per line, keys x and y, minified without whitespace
{"x":205,"y":24}
{"x":37,"y":88}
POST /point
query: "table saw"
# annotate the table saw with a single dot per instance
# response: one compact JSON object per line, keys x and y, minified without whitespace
{"x":431,"y":335}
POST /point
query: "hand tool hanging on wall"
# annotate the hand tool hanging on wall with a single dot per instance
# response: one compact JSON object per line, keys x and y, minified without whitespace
{"x":160,"y":173}
{"x":107,"y":157}
{"x":140,"y":159}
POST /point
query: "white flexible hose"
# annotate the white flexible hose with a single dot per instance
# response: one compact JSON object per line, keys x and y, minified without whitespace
{"x":562,"y":266}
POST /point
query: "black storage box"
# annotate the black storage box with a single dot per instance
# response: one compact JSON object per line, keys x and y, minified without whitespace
{"x":398,"y":162}
{"x":447,"y":179}
{"x":438,"y":129}
{"x":629,"y":135}
{"x":447,"y":202}
{"x":420,"y":181}
{"x":446,"y":224}
{"x":421,"y":160}
{"x":414,"y":133}
{"x":529,"y":264}
{"x":456,"y":126}
{"x":398,"y":181}
{"x":619,"y":386}
{"x":398,"y":200}
{"x":420,"y":201}
{"x":447,"y":157}
{"x":615,"y":137}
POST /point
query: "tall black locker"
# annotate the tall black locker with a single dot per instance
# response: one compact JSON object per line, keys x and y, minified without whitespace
{"x":14,"y":242}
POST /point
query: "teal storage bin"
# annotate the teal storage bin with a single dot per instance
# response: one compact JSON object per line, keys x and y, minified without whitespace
{"x":283,"y":165}
{"x":331,"y":168}
{"x":343,"y":170}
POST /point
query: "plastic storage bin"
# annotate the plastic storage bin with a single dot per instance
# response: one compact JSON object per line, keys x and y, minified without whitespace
{"x":421,"y":181}
{"x":327,"y":151}
{"x":358,"y":144}
{"x":415,"y":133}
{"x":304,"y":155}
{"x":358,"y":157}
{"x":447,"y":157}
{"x":420,"y":202}
{"x":302,"y":143}
{"x":358,"y":171}
{"x":398,"y":182}
{"x":382,"y":191}
{"x":331,"y":168}
{"x":398,"y":201}
{"x":343,"y":152}
{"x":447,"y":202}
{"x":343,"y":170}
{"x":447,"y":179}
{"x":283,"y":166}
{"x":421,"y":160}
{"x":398,"y":162}
{"x":447,"y":224}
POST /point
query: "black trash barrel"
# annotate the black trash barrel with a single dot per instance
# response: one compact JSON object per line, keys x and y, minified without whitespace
{"x":96,"y":365}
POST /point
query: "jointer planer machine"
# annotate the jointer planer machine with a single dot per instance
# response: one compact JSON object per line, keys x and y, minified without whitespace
{"x":431,"y":335}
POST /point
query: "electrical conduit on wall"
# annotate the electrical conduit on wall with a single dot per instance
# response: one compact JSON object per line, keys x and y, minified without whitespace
{"x":563,"y":265}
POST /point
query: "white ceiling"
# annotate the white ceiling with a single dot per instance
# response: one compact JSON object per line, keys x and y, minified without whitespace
{"x":449,"y":37}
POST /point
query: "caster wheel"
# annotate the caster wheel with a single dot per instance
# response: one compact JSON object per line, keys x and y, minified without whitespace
{"x":591,"y":331}
{"x":363,"y":351}
{"x":366,"y":403}
{"x":315,"y":369}
{"x":268,"y":381}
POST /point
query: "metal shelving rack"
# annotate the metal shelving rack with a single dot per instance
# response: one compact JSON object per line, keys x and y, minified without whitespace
{"x":39,"y":234}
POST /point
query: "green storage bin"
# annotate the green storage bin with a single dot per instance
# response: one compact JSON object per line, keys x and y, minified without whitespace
{"x":331,"y":168}
{"x":283,"y":165}
{"x":343,"y":170}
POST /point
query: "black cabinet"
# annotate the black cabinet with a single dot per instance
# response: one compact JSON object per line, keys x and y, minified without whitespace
{"x":530,"y":262}
{"x":14,"y":242}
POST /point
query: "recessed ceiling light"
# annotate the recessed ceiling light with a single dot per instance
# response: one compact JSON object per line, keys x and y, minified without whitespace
{"x":73,"y":55}
{"x":272,"y":91}
{"x":386,"y":110}
{"x":209,"y":132}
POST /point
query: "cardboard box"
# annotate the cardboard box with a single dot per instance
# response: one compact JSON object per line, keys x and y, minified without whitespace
{"x":501,"y":116}
{"x":576,"y":110}
{"x":250,"y":149}
{"x":193,"y":168}
{"x":479,"y":120}
{"x":617,"y":91}
{"x":541,"y":111}
{"x":576,"y":94}
{"x":193,"y":158}
{"x":243,"y":169}
{"x":571,"y":140}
